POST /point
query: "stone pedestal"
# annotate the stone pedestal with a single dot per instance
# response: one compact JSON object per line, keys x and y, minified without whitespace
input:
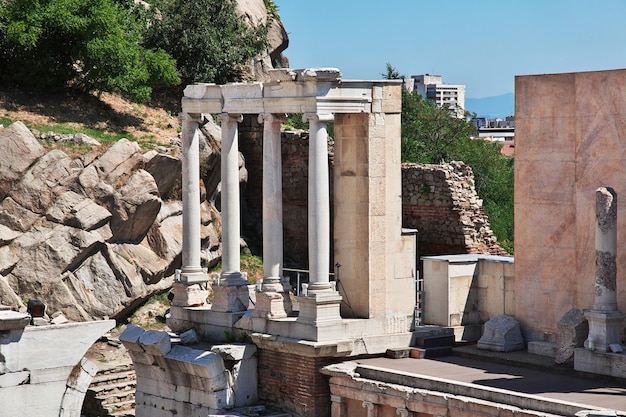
{"x":272,"y":305}
{"x":320,"y":309}
{"x":188,"y":295}
{"x":230,"y":299}
{"x":604,"y":329}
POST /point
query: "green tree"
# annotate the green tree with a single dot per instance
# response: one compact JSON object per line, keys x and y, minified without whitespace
{"x":433,"y":135}
{"x":92,"y":45}
{"x":209,"y":41}
{"x":391,"y":73}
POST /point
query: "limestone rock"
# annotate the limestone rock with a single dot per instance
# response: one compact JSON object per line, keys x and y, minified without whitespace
{"x":254,"y":12}
{"x":42,"y":184}
{"x":120,"y":160}
{"x":20,"y":150}
{"x":75,"y":210}
{"x":572,"y":331}
{"x":166,"y":171}
{"x":89,"y":236}
{"x":136,"y":208}
{"x":501,"y":334}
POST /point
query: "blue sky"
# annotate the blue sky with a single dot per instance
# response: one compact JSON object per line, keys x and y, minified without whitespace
{"x":483,"y":44}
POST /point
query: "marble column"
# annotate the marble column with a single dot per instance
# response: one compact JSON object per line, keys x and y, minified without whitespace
{"x":231,"y":217}
{"x":319,"y":204}
{"x":231,"y":294}
{"x":605,"y":320}
{"x":187,"y":291}
{"x":320,"y":307}
{"x":272,"y":203}
{"x":274,"y":300}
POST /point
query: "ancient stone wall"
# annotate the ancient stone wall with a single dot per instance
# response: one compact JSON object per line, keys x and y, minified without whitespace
{"x":440,"y":201}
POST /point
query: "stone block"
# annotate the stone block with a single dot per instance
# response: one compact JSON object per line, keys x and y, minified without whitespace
{"x":543,"y":348}
{"x":235,"y":352}
{"x":156,"y":342}
{"x":572,"y":331}
{"x":130,"y":337}
{"x":398,"y":353}
{"x":13,"y":379}
{"x":501,"y":334}
{"x":190,"y":337}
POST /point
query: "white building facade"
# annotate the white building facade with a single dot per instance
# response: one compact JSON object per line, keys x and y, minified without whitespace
{"x":450,"y":96}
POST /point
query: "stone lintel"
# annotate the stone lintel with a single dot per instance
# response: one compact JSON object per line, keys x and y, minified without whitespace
{"x":318,"y":90}
{"x":334,"y":348}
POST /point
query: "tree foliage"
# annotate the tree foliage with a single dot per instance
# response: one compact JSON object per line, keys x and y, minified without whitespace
{"x":93,"y":45}
{"x":433,"y":135}
{"x":208,"y":40}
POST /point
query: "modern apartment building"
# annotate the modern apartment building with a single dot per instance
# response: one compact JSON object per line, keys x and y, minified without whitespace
{"x":450,"y":96}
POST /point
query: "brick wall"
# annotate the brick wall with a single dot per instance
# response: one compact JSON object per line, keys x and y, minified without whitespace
{"x":440,"y":201}
{"x":295,"y":382}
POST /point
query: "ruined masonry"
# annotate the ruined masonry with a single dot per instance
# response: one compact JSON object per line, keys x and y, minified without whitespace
{"x":371,"y":308}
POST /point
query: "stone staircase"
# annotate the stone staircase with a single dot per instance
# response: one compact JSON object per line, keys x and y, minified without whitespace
{"x":112,"y":392}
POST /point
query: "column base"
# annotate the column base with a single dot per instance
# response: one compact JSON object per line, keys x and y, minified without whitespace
{"x":233,"y":279}
{"x":272,"y":305}
{"x":320,"y":309}
{"x":188,"y":295}
{"x":604,"y":329}
{"x":230,"y":299}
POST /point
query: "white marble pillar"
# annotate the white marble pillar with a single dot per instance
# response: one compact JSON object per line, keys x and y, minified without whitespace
{"x":272,"y":203}
{"x":319,"y":204}
{"x":321,"y":306}
{"x":191,"y":270}
{"x":605,"y":320}
{"x":187,"y":289}
{"x":231,"y":222}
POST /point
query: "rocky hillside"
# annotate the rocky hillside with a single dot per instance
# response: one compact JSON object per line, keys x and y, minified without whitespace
{"x":93,"y":235}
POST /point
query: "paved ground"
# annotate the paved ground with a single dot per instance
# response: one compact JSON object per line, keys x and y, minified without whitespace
{"x":523,"y":372}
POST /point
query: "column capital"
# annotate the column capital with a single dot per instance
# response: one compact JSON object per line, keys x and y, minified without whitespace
{"x":230,"y":117}
{"x":271,"y":117}
{"x":191,"y":117}
{"x":316,"y":117}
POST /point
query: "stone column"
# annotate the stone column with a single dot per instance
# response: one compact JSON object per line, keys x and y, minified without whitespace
{"x":337,"y":406}
{"x":321,"y":305}
{"x":231,"y":295}
{"x":273,"y":301}
{"x":605,"y":320}
{"x":272,"y":204}
{"x":231,"y":221}
{"x":319,"y":203}
{"x":187,"y":291}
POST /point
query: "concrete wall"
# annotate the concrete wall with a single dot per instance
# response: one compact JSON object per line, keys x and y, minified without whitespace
{"x":570,"y":140}
{"x":462,"y":291}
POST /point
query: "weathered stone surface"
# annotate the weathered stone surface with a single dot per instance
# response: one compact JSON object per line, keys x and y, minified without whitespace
{"x":572,"y":331}
{"x":8,"y":259}
{"x":501,"y":334}
{"x":42,"y":184}
{"x":7,"y":235}
{"x":16,"y":217}
{"x":75,"y":210}
{"x":121,"y":159}
{"x":20,"y":150}
{"x":155,"y":342}
{"x":136,"y":208}
{"x":166,"y":171}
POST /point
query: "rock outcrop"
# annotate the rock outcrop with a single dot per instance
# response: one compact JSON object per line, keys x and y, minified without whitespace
{"x":93,"y":236}
{"x":255,"y":13}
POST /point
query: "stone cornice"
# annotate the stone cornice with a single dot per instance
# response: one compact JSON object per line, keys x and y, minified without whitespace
{"x":316,"y":90}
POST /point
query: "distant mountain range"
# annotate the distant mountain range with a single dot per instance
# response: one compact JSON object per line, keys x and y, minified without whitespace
{"x":492,"y":107}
